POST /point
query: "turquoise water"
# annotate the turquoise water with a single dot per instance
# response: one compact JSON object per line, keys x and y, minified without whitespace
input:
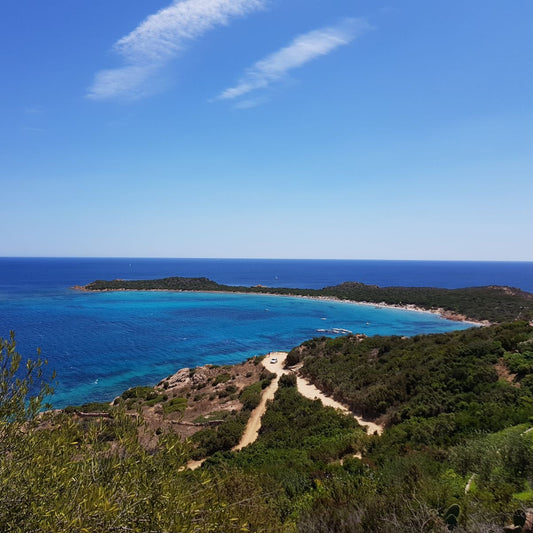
{"x":103,"y":343}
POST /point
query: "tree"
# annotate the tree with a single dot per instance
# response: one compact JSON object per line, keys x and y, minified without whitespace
{"x":22,"y":387}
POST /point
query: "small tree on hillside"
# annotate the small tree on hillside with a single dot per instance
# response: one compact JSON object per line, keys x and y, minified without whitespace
{"x":22,"y":387}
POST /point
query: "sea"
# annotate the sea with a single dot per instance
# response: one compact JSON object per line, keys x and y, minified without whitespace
{"x":100,"y":344}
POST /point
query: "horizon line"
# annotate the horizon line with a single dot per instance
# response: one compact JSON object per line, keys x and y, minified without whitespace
{"x":265,"y":259}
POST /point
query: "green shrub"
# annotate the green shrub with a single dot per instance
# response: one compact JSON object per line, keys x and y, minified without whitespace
{"x":222,"y":378}
{"x":224,"y":437}
{"x":250,"y":396}
{"x":520,"y":363}
{"x":176,"y":405}
{"x":287,"y":380}
{"x":158,"y":399}
{"x":93,"y":407}
{"x":140,"y":393}
{"x":22,"y":388}
{"x":293,"y":357}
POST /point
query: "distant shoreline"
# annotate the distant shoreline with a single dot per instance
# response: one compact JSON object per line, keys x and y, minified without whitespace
{"x":486,"y":305}
{"x":443,"y":313}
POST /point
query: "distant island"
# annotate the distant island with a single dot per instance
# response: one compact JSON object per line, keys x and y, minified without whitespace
{"x":491,"y":304}
{"x":430,"y":433}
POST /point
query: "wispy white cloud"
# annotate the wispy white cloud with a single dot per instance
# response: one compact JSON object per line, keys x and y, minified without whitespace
{"x":124,"y":81}
{"x":34,"y":110}
{"x":159,"y":38}
{"x":300,"y":51}
{"x":249,"y":103}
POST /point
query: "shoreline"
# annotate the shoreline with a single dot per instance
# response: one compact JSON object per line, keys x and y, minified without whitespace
{"x":443,"y":313}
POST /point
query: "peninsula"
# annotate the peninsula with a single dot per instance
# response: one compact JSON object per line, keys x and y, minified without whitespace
{"x":428,"y":433}
{"x":491,"y":304}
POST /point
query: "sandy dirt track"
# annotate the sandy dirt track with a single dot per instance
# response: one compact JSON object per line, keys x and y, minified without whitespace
{"x":254,"y":422}
{"x":308,"y":390}
{"x":305,"y":388}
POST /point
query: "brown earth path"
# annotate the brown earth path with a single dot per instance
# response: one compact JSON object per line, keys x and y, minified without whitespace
{"x":254,"y":422}
{"x":310,"y":391}
{"x":306,"y":389}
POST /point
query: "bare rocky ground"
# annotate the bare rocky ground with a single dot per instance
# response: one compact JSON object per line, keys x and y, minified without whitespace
{"x":196,"y":398}
{"x":211,"y":392}
{"x":184,"y":403}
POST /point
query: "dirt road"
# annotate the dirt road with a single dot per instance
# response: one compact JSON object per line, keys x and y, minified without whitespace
{"x":308,"y":390}
{"x":254,"y":422}
{"x":305,"y":388}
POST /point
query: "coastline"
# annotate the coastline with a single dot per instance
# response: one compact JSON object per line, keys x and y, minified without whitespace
{"x":443,"y":313}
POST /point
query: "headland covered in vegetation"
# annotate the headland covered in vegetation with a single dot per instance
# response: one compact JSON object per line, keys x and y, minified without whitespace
{"x":456,"y":452}
{"x":488,"y":304}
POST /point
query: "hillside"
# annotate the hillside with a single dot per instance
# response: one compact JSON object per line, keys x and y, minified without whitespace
{"x":491,"y":304}
{"x":457,"y":451}
{"x":437,"y":388}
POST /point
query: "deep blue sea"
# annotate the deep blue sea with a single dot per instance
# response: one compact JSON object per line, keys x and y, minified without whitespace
{"x":102,"y":343}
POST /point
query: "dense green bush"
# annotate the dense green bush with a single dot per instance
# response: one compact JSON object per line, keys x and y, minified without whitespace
{"x":436,"y":387}
{"x":227,"y":435}
{"x":140,"y":393}
{"x":520,"y":362}
{"x":287,"y":380}
{"x":251,"y":396}
{"x":175,"y":405}
{"x":453,"y":448}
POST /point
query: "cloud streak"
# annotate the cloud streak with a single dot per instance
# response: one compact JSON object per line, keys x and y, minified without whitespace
{"x":300,"y":51}
{"x":160,"y":38}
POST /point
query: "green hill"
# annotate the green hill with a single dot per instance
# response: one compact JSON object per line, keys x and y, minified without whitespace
{"x":457,"y":452}
{"x":492,"y":304}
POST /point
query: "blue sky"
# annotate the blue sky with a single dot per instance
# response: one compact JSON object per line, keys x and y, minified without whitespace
{"x":267,"y":128}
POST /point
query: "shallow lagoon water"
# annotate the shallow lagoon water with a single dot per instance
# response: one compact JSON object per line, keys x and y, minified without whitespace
{"x":103,"y":343}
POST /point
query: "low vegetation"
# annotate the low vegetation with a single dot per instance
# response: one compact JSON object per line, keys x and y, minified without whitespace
{"x":457,"y":453}
{"x":428,"y":388}
{"x":492,"y":304}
